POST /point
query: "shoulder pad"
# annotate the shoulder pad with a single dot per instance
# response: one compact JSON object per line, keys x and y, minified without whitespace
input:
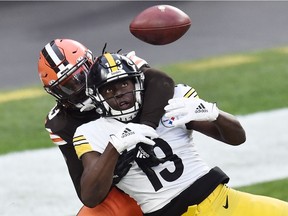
{"x":56,"y":119}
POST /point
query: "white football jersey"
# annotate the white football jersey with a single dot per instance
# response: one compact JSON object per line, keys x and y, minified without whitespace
{"x":165,"y":181}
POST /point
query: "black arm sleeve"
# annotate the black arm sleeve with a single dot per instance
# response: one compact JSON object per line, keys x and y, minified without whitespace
{"x":74,"y":165}
{"x":159,"y":88}
{"x":64,"y":125}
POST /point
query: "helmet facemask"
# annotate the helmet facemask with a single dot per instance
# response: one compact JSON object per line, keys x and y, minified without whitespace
{"x":105,"y":109}
{"x":70,"y":87}
{"x":126,"y":69}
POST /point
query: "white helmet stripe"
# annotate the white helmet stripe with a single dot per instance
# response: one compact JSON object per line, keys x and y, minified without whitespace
{"x":54,"y":57}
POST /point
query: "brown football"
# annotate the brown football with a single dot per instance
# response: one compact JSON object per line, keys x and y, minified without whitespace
{"x":160,"y":24}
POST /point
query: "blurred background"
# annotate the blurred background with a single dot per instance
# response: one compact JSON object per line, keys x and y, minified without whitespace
{"x":217,"y":28}
{"x":37,"y":182}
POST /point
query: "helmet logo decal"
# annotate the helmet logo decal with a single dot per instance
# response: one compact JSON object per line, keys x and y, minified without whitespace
{"x":54,"y":57}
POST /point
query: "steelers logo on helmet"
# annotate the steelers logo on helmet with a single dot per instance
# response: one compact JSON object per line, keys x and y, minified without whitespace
{"x":108,"y":68}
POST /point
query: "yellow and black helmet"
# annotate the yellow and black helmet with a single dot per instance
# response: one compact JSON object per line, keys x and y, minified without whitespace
{"x":110,"y":67}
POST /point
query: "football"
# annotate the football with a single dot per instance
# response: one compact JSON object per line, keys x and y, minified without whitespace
{"x":160,"y":24}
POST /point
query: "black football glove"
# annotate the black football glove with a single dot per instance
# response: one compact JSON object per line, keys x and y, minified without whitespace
{"x":145,"y":155}
{"x":123,"y":165}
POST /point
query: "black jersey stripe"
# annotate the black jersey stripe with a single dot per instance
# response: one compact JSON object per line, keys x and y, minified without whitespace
{"x":48,"y":57}
{"x":80,"y":137}
{"x":59,"y":53}
{"x":81,"y":143}
{"x":191,"y":92}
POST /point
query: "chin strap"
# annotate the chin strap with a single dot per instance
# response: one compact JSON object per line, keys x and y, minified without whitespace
{"x":87,"y":107}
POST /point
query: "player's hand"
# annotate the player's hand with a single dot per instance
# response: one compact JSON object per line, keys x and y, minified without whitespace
{"x":145,"y":155}
{"x":123,"y":165}
{"x":139,"y":62}
{"x":190,"y":109}
{"x":131,"y":134}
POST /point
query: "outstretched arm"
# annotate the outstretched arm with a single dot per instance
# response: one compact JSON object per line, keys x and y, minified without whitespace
{"x":74,"y":165}
{"x":225,"y":128}
{"x":206,"y":118}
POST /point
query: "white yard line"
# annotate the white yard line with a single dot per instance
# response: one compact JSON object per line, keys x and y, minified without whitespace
{"x":37,"y":182}
{"x":262,"y":157}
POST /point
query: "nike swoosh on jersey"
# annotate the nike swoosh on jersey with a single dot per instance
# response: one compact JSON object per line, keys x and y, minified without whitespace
{"x":226,"y":206}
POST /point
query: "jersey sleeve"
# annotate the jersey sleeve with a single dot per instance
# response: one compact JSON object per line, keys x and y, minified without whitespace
{"x":159,"y":88}
{"x":53,"y":122}
{"x":61,"y":130}
{"x":94,"y":135}
{"x":56,"y":139}
{"x":182,"y":90}
{"x":90,"y":137}
{"x":81,"y":144}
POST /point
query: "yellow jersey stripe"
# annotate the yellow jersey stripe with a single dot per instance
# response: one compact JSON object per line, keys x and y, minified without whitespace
{"x":191,"y":92}
{"x":111,"y":62}
{"x":82,"y":149}
{"x":78,"y":138}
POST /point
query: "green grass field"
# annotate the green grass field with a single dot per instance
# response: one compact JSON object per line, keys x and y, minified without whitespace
{"x":277,"y":189}
{"x":240,"y":84}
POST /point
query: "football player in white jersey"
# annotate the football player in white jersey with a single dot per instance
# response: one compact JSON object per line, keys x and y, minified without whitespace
{"x":166,"y":175}
{"x":62,"y":66}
